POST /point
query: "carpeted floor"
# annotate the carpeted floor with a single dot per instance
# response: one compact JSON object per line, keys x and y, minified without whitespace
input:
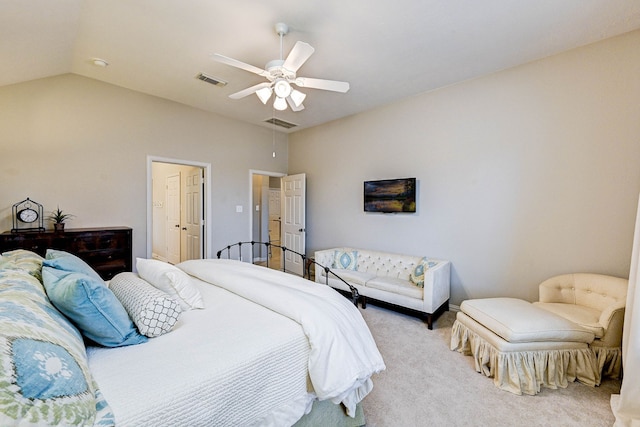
{"x":426,"y":384}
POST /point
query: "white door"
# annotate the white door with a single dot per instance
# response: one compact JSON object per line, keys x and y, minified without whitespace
{"x":192,"y":222}
{"x":293,"y":221}
{"x":173,"y":218}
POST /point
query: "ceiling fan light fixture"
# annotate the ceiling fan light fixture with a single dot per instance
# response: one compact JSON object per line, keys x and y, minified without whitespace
{"x":281,"y":74}
{"x":280,"y":104}
{"x":297,"y":97}
{"x":264,"y":94}
{"x":282,"y":88}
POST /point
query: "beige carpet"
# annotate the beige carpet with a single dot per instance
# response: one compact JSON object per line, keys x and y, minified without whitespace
{"x":426,"y":384}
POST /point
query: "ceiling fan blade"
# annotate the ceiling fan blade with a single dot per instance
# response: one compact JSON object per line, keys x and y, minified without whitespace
{"x":298,"y":56}
{"x":239,"y":64}
{"x":333,"y":85}
{"x":249,"y":90}
{"x":293,"y":106}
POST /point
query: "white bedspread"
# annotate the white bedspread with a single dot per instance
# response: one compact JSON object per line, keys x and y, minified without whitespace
{"x":232,"y":364}
{"x":343,"y":353}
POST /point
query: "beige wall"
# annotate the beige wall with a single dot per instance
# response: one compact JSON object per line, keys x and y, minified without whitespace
{"x":522,"y":174}
{"x":83,"y":145}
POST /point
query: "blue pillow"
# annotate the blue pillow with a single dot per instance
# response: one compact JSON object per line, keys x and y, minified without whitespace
{"x":62,"y":260}
{"x":91,"y":306}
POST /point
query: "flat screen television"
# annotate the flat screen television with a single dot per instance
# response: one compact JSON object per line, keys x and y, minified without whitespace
{"x":390,"y":195}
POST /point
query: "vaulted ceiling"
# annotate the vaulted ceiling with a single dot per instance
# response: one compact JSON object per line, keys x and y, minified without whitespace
{"x":386,"y":50}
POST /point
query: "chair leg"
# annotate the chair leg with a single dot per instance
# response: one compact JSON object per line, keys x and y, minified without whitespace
{"x":363,"y":301}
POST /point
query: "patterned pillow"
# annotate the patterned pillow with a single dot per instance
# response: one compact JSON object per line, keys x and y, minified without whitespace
{"x":346,"y":260}
{"x":91,"y":306}
{"x":417,"y":275}
{"x":154,"y":312}
{"x":44,"y":374}
{"x":170,"y":280}
{"x":15,"y":281}
{"x":25,"y":260}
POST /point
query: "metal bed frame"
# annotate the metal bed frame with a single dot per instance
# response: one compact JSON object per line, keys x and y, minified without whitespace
{"x":308,"y":262}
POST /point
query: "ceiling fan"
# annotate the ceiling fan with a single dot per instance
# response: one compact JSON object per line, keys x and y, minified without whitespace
{"x":281,"y":74}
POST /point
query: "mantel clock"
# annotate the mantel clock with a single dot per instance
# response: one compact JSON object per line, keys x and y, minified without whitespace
{"x":27,"y":216}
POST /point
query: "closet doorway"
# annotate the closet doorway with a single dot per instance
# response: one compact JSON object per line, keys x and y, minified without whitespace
{"x":177,"y":208}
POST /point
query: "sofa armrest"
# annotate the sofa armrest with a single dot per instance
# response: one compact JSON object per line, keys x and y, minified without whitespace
{"x":612,"y":319}
{"x":437,"y":286}
{"x":609,"y":313}
{"x":325,"y":259}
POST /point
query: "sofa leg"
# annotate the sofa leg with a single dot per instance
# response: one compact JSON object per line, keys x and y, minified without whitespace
{"x":430,"y":317}
{"x":363,"y":301}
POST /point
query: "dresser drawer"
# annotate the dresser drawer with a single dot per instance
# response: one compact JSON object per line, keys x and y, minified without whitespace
{"x":90,"y":242}
{"x":34,"y":243}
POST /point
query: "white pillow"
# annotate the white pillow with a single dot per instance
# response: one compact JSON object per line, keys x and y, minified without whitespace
{"x":154,"y":312}
{"x":171,"y":280}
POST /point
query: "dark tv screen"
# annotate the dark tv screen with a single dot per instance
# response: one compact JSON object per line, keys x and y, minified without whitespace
{"x":390,"y":195}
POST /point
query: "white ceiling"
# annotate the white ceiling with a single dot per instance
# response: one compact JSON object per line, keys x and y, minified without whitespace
{"x":386,"y":50}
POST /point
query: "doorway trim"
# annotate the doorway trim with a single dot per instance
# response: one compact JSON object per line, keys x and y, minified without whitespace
{"x":208,"y":238}
{"x":253,"y":172}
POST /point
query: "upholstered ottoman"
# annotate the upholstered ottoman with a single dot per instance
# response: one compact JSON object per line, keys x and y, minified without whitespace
{"x":523,"y":347}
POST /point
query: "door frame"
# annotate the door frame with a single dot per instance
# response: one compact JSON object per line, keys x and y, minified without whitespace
{"x":253,"y":172}
{"x":206,"y":205}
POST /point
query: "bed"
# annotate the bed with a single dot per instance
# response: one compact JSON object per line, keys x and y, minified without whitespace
{"x":266,"y":348}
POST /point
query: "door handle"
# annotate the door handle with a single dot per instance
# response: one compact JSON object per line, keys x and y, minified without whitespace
{"x":302,"y":230}
{"x":184,"y":228}
{"x":177,"y":225}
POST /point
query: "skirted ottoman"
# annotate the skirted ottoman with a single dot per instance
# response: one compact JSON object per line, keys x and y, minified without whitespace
{"x":523,"y":347}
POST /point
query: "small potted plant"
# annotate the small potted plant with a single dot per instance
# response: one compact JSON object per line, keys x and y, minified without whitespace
{"x":58,"y":217}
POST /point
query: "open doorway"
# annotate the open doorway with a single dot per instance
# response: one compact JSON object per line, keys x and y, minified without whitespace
{"x":288,"y":227}
{"x":266,"y":217}
{"x":176,"y":210}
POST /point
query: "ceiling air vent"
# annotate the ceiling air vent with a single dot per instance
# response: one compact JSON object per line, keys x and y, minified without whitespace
{"x":211,"y":80}
{"x":280,"y":123}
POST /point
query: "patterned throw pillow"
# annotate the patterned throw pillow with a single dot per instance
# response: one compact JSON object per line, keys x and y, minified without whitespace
{"x":346,"y":260}
{"x":25,"y":260}
{"x":154,"y":312}
{"x":14,"y":280}
{"x":44,"y":373}
{"x":417,"y":275}
{"x":91,"y":306}
{"x":170,"y":280}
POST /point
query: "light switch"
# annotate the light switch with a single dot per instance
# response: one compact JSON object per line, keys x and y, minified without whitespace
{"x":239,"y":208}
{"x":257,"y":208}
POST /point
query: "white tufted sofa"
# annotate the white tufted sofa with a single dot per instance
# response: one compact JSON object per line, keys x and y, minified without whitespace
{"x":387,"y":277}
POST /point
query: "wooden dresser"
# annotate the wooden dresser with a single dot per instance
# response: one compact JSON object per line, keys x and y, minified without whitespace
{"x":107,"y":250}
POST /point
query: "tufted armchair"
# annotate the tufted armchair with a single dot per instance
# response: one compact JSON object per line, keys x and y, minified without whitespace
{"x":595,"y":302}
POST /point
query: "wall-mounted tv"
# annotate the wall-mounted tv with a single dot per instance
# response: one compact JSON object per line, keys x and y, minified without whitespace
{"x":390,"y":195}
